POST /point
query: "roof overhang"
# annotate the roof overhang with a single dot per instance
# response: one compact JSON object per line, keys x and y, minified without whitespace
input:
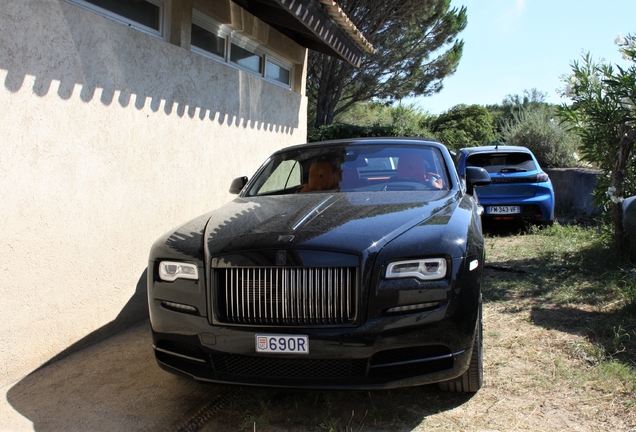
{"x":319,"y":25}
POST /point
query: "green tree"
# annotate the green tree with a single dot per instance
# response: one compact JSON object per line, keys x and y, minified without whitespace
{"x":373,"y":113}
{"x":409,"y":120}
{"x":603,"y":113}
{"x":464,"y":126}
{"x":514,"y":105}
{"x":537,"y":129}
{"x":416,"y":47}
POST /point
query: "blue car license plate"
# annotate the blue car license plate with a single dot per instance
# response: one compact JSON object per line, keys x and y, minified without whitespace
{"x":504,"y":210}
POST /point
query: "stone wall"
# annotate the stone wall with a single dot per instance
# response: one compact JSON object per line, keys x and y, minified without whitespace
{"x":573,"y":189}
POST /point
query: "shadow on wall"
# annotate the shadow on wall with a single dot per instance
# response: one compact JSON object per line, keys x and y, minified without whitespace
{"x":68,"y":49}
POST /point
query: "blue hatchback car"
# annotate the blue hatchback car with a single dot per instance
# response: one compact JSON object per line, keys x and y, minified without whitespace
{"x":519,"y":188}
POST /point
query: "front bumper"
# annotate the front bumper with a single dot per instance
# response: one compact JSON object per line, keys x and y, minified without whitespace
{"x":387,"y":352}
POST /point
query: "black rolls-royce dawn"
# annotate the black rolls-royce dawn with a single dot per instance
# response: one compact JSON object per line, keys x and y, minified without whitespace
{"x":350,"y":264}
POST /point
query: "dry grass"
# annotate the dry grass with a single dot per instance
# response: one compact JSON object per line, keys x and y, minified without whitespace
{"x":560,"y":350}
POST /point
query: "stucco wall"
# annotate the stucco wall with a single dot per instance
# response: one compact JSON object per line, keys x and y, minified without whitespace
{"x":110,"y":137}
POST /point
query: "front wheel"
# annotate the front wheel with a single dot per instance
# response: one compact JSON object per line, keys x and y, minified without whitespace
{"x":471,"y":380}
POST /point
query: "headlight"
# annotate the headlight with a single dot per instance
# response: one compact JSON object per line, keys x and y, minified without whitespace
{"x":424,"y":269}
{"x":170,"y":271}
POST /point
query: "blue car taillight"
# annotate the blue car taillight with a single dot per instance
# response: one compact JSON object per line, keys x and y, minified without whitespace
{"x":542,"y":177}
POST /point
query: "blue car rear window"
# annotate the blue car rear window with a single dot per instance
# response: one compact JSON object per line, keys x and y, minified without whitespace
{"x":502,"y":162}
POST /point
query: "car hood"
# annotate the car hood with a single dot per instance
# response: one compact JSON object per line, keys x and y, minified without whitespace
{"x":342,"y":222}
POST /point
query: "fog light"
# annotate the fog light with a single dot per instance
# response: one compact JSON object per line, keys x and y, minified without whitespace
{"x":178,"y":307}
{"x":412,"y":307}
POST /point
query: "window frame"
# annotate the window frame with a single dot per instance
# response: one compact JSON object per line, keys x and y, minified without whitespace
{"x":234,"y":38}
{"x":164,"y":18}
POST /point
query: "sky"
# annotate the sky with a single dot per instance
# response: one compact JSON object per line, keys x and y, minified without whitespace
{"x":516,"y":45}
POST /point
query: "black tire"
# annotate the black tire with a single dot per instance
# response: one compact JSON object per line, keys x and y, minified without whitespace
{"x":471,"y":380}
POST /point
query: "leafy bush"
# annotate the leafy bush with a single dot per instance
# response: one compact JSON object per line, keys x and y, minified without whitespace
{"x":603,"y":114}
{"x":537,"y":130}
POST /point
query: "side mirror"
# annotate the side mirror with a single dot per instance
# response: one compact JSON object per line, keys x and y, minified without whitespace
{"x":238,"y":184}
{"x":476,"y":177}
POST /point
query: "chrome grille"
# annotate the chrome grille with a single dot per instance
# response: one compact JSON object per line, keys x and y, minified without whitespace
{"x":287,"y":296}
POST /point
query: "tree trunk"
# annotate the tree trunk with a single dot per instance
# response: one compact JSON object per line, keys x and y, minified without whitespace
{"x":625,"y":147}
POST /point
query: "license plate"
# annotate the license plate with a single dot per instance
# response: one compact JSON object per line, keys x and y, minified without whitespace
{"x":282,"y":344}
{"x":503,"y":210}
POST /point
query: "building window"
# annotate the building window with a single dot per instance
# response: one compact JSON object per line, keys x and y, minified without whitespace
{"x":246,"y":58}
{"x":145,"y":15}
{"x":208,"y":42}
{"x":209,"y":37}
{"x":277,"y":73}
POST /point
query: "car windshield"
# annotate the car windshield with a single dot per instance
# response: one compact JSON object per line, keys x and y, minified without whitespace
{"x":356,"y":168}
{"x":502,"y":162}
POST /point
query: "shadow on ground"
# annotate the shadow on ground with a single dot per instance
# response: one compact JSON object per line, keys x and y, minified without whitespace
{"x":106,"y":381}
{"x":135,"y":310}
{"x":115,"y":384}
{"x":613,"y":331}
